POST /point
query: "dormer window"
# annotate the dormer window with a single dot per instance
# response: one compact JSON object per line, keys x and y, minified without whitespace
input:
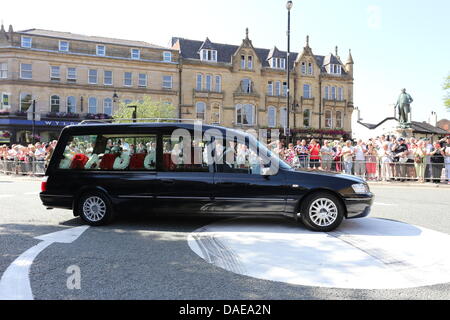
{"x":335,"y":69}
{"x":208,"y":55}
{"x":101,"y":50}
{"x":135,"y":54}
{"x":26,"y":42}
{"x":278,"y":63}
{"x":303,"y":67}
{"x":64,"y":46}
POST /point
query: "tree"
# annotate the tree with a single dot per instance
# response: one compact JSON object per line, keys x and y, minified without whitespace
{"x":446,"y":87}
{"x":147,"y":108}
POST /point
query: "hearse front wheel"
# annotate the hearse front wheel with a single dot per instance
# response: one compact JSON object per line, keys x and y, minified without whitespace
{"x":95,"y":209}
{"x":322,"y":212}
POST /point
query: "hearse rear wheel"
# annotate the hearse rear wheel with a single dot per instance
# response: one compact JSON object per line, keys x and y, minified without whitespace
{"x":322,"y":212}
{"x":95,"y":209}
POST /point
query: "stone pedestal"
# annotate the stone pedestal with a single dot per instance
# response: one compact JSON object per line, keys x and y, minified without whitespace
{"x":405,"y":133}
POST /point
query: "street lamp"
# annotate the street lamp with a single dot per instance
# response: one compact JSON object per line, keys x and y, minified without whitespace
{"x":287,"y":129}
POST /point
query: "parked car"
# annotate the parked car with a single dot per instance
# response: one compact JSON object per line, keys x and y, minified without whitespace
{"x":99,"y":170}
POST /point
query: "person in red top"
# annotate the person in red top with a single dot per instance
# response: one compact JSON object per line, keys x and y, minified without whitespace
{"x":314,"y":158}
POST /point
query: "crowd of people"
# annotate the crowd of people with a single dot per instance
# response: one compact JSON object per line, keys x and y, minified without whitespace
{"x":20,"y":159}
{"x":383,"y":158}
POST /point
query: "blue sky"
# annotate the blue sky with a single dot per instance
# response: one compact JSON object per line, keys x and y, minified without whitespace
{"x":395,"y":44}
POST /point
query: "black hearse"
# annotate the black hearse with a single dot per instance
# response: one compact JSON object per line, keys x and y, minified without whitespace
{"x":100,"y":169}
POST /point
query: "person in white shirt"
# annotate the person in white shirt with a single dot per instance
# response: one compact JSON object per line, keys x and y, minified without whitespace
{"x":385,"y":156}
{"x":447,"y":158}
{"x":360,"y":159}
{"x":347,"y":157}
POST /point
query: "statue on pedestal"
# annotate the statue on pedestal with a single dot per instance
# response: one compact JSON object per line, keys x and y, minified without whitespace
{"x":404,"y":109}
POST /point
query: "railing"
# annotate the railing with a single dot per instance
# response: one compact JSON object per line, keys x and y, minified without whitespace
{"x":379,"y":170}
{"x":22,"y":167}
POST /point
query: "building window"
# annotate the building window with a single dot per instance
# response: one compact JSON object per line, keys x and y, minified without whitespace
{"x":55,"y":103}
{"x":26,"y":71}
{"x":303,"y":68}
{"x":135,"y":54}
{"x":142,"y":80}
{"x":215,"y":113}
{"x":284,"y":89}
{"x":242,"y":62}
{"x":71,"y":75}
{"x":25,"y":101}
{"x":328,"y":119}
{"x":279,"y":63}
{"x":270,"y":88}
{"x":306,"y":118}
{"x":283,"y":117}
{"x":246,"y":85}
{"x":271,"y":117}
{"x":307,"y":91}
{"x":64,"y":46}
{"x":55,"y":73}
{"x":341,"y":94}
{"x":92,"y":105}
{"x":333,"y":93}
{"x":310,"y":68}
{"x":199,"y":82}
{"x":101,"y":50}
{"x":277,"y":88}
{"x":200,"y":109}
{"x":167,"y":56}
{"x":4,"y":103}
{"x":107,"y":78}
{"x":3,"y":70}
{"x":93,"y":76}
{"x":71,"y":104}
{"x":327,"y":93}
{"x":26,"y":42}
{"x":335,"y":69}
{"x":167,"y":82}
{"x":127,"y":79}
{"x":208,"y":82}
{"x":245,"y":114}
{"x":108,"y":106}
{"x":250,"y":62}
{"x":218,"y":84}
{"x":208,"y":55}
{"x":339,"y":119}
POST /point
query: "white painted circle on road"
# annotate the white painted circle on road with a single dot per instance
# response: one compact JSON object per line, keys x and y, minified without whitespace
{"x":363,"y":253}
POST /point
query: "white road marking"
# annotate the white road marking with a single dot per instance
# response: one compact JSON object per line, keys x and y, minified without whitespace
{"x":384,"y":204}
{"x":6,"y":196}
{"x":15,"y":282}
{"x":364,"y":253}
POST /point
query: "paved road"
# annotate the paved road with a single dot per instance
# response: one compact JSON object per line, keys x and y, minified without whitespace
{"x":142,"y":257}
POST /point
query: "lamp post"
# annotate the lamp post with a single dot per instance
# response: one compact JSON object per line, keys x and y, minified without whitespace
{"x":287,"y":129}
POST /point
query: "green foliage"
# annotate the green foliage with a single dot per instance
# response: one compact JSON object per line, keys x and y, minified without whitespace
{"x":147,"y":108}
{"x":446,"y":87}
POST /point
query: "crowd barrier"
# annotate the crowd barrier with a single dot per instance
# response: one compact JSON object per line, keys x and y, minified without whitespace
{"x":369,"y":170}
{"x":20,"y":167}
{"x":381,"y":171}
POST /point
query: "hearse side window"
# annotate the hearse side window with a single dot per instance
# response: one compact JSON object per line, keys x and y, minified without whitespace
{"x":184,"y":156}
{"x":110,"y":152}
{"x":239,"y":157}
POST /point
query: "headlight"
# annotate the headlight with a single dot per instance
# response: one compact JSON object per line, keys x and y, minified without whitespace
{"x":360,"y":188}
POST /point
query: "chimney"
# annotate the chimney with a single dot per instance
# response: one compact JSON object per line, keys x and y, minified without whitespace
{"x":433,"y":119}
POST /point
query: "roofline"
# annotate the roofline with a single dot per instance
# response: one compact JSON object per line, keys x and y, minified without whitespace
{"x":149,"y":46}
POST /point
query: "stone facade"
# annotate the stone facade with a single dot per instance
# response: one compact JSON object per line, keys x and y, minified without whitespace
{"x":240,"y":86}
{"x":329,"y":96}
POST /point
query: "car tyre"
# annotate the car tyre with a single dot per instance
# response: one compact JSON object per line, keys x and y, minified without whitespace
{"x":95,"y":209}
{"x":322,"y":212}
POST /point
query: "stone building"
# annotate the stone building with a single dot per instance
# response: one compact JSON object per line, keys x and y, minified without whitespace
{"x":241,"y":86}
{"x":72,"y":77}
